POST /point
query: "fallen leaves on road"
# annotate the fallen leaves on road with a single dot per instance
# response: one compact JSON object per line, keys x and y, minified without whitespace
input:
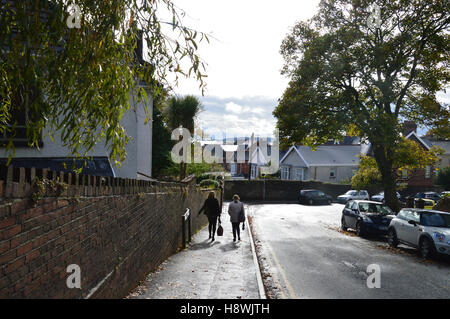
{"x":345,"y":232}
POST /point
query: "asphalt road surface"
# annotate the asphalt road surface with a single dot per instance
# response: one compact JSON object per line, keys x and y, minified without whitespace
{"x":306,"y":255}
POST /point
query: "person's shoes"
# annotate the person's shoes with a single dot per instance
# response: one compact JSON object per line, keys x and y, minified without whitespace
{"x":234,"y":239}
{"x":212,"y":239}
{"x":239,"y":239}
{"x":209,"y":236}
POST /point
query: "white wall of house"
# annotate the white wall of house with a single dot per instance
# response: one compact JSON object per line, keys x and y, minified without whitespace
{"x":139,"y":150}
{"x":332,"y":174}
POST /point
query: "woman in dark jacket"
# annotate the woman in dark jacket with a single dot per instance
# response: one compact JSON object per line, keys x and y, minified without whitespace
{"x":211,"y":209}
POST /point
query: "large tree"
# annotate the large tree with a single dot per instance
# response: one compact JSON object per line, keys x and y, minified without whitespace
{"x":77,"y":81}
{"x":348,"y":76}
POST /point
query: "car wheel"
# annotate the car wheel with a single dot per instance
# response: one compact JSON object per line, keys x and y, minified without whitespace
{"x":343,"y":226}
{"x":359,"y":230}
{"x":311,"y":202}
{"x":329,"y":202}
{"x":426,"y":248}
{"x":392,"y":238}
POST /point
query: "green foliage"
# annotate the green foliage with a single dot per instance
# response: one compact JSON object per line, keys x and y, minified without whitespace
{"x":346,"y":77}
{"x":79,"y":83}
{"x":345,"y":181}
{"x":197,"y":169}
{"x":161,"y":139}
{"x":409,"y":155}
{"x":204,"y":176}
{"x":209,"y":183}
{"x":52,"y":187}
{"x":181,"y":111}
{"x":367,"y":175}
{"x":443,"y":177}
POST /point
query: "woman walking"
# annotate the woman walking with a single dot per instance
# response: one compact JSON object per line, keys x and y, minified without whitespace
{"x":211,"y":209}
{"x":236,"y":211}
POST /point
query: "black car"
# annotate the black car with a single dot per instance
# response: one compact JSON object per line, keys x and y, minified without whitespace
{"x":314,"y":196}
{"x":366,"y":217}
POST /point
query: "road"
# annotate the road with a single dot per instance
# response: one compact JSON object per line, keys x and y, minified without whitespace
{"x":306,"y":255}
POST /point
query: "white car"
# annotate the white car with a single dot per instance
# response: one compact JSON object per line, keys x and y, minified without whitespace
{"x":353,"y":195}
{"x":427,"y":230}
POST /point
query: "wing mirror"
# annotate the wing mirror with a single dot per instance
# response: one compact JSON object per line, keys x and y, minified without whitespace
{"x":412,"y":222}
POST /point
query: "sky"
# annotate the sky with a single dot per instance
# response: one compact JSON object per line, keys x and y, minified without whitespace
{"x":243,"y":61}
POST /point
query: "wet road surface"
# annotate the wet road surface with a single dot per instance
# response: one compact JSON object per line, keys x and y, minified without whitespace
{"x":306,"y":255}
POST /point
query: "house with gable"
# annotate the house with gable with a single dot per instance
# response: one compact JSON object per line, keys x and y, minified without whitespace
{"x":332,"y":162}
{"x":420,"y":177}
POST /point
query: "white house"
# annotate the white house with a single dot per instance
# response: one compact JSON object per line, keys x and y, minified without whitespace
{"x":137,"y":165}
{"x":329,"y":163}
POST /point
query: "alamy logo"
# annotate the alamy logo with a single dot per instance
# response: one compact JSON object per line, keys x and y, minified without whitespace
{"x":374,"y":279}
{"x":74,"y":280}
{"x":260,"y":151}
{"x":74,"y":19}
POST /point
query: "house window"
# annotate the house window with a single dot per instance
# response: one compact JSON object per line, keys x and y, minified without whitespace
{"x":428,"y":172}
{"x":285,"y":173}
{"x":19,"y":121}
{"x":405,"y":174}
{"x":299,"y":174}
{"x":254,"y":171}
{"x":332,"y":173}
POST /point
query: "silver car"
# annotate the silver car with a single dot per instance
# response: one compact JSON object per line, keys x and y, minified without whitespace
{"x":426,"y":230}
{"x":353,"y":195}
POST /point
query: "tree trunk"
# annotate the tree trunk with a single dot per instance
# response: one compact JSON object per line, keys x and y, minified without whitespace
{"x":385,"y":165}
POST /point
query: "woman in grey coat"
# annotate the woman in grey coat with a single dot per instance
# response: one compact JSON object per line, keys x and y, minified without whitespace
{"x":236,"y":211}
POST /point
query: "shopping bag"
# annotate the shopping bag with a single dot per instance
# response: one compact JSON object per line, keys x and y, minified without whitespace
{"x":220,"y":230}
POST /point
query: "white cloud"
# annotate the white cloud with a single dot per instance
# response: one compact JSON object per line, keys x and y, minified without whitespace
{"x":233,"y":107}
{"x":252,"y":115}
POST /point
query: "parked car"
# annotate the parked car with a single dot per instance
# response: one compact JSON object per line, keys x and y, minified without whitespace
{"x":380,"y":197}
{"x":427,"y":203}
{"x":366,"y":217}
{"x":353,"y":195}
{"x":314,"y":196}
{"x":429,"y":195}
{"x":426,"y":230}
{"x":445,"y":194}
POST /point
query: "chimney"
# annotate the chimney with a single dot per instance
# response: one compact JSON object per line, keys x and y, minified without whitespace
{"x":408,"y":127}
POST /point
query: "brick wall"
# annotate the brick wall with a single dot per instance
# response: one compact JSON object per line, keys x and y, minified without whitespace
{"x":116,"y":230}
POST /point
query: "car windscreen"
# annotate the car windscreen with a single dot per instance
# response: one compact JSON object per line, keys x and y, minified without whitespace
{"x":350,"y":193}
{"x":374,"y":208}
{"x":315,"y":193}
{"x":435,"y":220}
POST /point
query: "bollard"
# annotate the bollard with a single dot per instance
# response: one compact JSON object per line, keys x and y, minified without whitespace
{"x":184,"y":217}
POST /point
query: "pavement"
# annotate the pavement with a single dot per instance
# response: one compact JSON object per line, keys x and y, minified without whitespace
{"x":222,"y":269}
{"x":304,"y":254}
